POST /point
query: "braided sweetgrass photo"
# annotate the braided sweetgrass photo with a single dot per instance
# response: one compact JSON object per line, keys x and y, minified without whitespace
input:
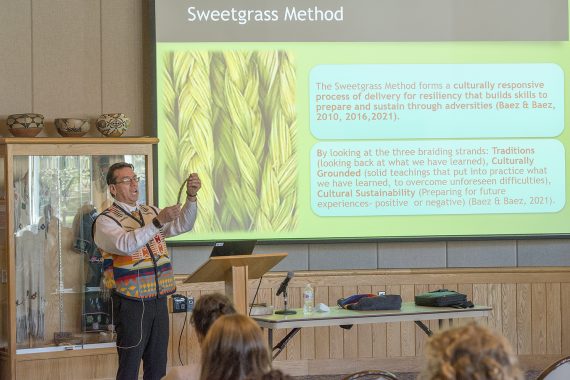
{"x":242,"y":141}
{"x":231,"y":118}
{"x":189,"y":139}
{"x":278,"y":211}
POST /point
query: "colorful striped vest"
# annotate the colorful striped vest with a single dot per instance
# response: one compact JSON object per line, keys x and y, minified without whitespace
{"x":147,"y":273}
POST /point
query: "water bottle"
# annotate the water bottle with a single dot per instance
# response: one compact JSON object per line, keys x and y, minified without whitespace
{"x":309,"y":299}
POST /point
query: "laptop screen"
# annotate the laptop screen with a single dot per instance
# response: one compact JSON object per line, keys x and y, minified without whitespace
{"x":232,"y":248}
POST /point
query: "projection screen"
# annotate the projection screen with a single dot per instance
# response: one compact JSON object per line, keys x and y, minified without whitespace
{"x":365,"y":119}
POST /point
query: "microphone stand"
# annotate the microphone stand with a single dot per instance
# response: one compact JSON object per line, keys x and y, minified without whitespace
{"x":285,"y":311}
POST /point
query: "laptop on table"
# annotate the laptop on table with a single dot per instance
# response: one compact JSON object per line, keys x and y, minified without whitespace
{"x":233,"y":248}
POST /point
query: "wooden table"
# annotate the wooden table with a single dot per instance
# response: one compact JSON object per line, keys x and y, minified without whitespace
{"x":342,"y":317}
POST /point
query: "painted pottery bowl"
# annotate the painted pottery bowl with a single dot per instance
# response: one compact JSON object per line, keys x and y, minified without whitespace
{"x":70,"y":127}
{"x":113,"y":124}
{"x":25,"y":124}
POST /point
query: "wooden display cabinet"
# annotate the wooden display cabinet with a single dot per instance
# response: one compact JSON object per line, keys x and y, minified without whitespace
{"x":51,"y":305}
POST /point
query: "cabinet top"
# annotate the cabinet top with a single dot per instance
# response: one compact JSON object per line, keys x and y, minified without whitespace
{"x":79,"y":140}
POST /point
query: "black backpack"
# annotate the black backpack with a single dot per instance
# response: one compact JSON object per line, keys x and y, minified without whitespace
{"x":443,"y":297}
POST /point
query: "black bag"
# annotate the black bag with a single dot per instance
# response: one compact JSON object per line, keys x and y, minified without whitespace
{"x":443,"y":297}
{"x":371,"y":302}
{"x":385,"y":302}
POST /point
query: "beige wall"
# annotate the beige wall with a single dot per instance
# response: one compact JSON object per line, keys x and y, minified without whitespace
{"x":77,"y":58}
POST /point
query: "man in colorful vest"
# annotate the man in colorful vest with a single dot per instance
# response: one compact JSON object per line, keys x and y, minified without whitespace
{"x":137,"y":267}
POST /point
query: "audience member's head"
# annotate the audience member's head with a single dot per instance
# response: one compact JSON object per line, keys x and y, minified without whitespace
{"x":470,"y":352}
{"x":207,"y":309}
{"x":234,"y":349}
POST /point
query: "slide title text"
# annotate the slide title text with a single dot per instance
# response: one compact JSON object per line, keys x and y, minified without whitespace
{"x":244,"y":16}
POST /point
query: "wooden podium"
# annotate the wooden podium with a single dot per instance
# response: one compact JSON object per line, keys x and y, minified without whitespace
{"x":235,"y":271}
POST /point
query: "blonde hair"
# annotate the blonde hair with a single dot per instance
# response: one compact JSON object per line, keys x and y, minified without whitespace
{"x":470,"y":352}
{"x":234,"y":349}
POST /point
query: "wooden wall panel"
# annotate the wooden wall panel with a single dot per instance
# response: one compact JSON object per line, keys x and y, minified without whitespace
{"x":466,"y":289}
{"x":393,"y":329}
{"x":509,"y":311}
{"x":494,"y":300}
{"x":480,"y":298}
{"x":509,"y":292}
{"x":294,"y":346}
{"x":104,"y":366}
{"x":420,"y":336}
{"x":538,"y":318}
{"x":39,"y":370}
{"x":379,"y":349}
{"x":364,"y":331}
{"x":434,"y":325}
{"x":308,"y":344}
{"x":72,"y":367}
{"x":565,"y":323}
{"x":322,"y":337}
{"x":279,"y":334}
{"x":524,"y":319}
{"x":4,"y":367}
{"x":553,"y":319}
{"x":408,"y":329}
{"x":350,"y":336}
{"x":529,"y":312}
{"x":67,"y":58}
{"x":336,"y":336}
{"x":179,"y":343}
{"x":66,"y":62}
{"x":445,"y":323}
{"x":123,"y":61}
{"x":16,"y":62}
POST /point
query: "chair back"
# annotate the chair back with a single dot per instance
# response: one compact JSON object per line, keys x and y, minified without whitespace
{"x":372,"y":375}
{"x":559,"y":370}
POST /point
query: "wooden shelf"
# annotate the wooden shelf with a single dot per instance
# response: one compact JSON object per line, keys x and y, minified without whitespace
{"x":79,"y":140}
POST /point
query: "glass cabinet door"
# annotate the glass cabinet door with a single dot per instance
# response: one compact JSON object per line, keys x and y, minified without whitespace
{"x":58,"y":267}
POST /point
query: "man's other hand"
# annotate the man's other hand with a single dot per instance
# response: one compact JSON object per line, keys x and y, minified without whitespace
{"x":168,"y":214}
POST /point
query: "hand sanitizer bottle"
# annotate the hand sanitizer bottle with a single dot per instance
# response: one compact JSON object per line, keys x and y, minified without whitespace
{"x":309,"y":299}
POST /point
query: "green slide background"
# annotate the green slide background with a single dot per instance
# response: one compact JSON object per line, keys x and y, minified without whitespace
{"x":307,"y":56}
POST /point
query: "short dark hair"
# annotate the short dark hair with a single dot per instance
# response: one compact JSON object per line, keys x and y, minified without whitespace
{"x":116,"y":166}
{"x":208,"y":308}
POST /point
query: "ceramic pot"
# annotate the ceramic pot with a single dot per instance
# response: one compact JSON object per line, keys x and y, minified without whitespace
{"x":113,"y":124}
{"x":25,"y":124}
{"x":69,"y":127}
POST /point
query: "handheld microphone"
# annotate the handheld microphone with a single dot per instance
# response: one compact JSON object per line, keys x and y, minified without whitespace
{"x":284,"y":284}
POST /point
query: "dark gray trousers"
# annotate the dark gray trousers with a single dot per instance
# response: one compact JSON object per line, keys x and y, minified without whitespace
{"x":150,"y":344}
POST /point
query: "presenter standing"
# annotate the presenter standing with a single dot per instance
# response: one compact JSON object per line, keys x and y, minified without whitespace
{"x":131,"y":238}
